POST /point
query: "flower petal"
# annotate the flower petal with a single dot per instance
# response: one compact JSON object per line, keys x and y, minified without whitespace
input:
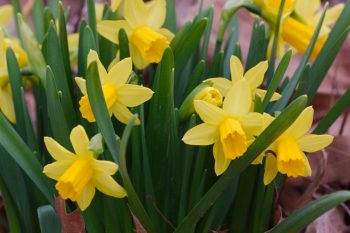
{"x":56,"y":169}
{"x":6,"y":12}
{"x":222,"y":84}
{"x":252,"y":123}
{"x":115,"y":4}
{"x":270,"y":169}
{"x":133,"y":95}
{"x":156,"y":13}
{"x":255,"y":75}
{"x":57,"y":151}
{"x":238,"y":99}
{"x":261,"y":93}
{"x":81,"y":84}
{"x":86,"y":197}
{"x":6,"y":103}
{"x":165,"y":32}
{"x":209,"y":113}
{"x":120,"y":72}
{"x":135,"y":12}
{"x":93,"y":56}
{"x":122,"y":113}
{"x":313,"y":142}
{"x":236,"y":69}
{"x":108,"y":167}
{"x":221,"y":162}
{"x":137,"y":58}
{"x":202,"y":135}
{"x":109,"y":29}
{"x":106,"y":184}
{"x":302,"y":124}
{"x":79,"y":140}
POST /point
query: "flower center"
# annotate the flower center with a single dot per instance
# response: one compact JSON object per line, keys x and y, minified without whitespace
{"x":290,"y":159}
{"x":110,"y":96}
{"x":72,"y":183}
{"x":210,"y":95}
{"x":233,"y":138}
{"x":299,"y":36}
{"x":150,"y":43}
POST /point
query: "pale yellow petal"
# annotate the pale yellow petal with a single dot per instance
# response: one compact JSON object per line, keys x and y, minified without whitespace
{"x":55,"y":170}
{"x":238,"y":99}
{"x":156,"y":13}
{"x":332,"y":15}
{"x":255,"y":75}
{"x":106,"y":166}
{"x":109,"y":29}
{"x":308,"y":171}
{"x":313,"y":142}
{"x":165,"y":32}
{"x":252,"y":123}
{"x":270,"y":169}
{"x":221,"y":162}
{"x":86,"y":197}
{"x":302,"y":124}
{"x":122,"y":113}
{"x":133,"y":95}
{"x":6,"y":14}
{"x":209,"y":113}
{"x":107,"y":185}
{"x":99,"y":11}
{"x":79,"y":140}
{"x":261,"y":93}
{"x":115,"y":4}
{"x":120,"y":72}
{"x":137,"y":58}
{"x":6,"y":103}
{"x":93,"y":56}
{"x":81,"y":84}
{"x":306,"y":9}
{"x":236,"y":69}
{"x":222,"y":84}
{"x":135,"y":12}
{"x":57,"y":151}
{"x":202,"y":135}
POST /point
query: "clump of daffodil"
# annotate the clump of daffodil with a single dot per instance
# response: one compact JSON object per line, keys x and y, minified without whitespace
{"x":230,"y":129}
{"x":254,"y":76}
{"x":143,"y":22}
{"x":287,"y":153}
{"x":6,"y":99}
{"x":79,"y":174}
{"x":118,"y":94}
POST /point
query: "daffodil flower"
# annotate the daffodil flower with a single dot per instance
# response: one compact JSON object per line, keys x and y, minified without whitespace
{"x":230,"y":129}
{"x":147,"y":40}
{"x":254,"y":76}
{"x":287,"y":154}
{"x":117,"y":92}
{"x":6,"y":99}
{"x":79,"y":174}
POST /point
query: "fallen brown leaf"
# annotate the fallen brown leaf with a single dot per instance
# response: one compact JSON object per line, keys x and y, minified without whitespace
{"x":70,"y":222}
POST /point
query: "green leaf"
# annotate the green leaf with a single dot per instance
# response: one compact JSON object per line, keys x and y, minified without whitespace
{"x":123,"y":44}
{"x":306,"y":215}
{"x":196,"y":76}
{"x":170,"y":21}
{"x":271,"y":133}
{"x":48,"y":220}
{"x":92,"y":17}
{"x":38,"y":19}
{"x":86,"y":42}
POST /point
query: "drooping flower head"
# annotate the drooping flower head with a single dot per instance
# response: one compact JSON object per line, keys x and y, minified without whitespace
{"x":143,"y":25}
{"x":230,"y":129}
{"x":79,"y":174}
{"x":118,"y":94}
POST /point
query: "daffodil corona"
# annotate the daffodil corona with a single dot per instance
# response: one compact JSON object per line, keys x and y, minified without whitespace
{"x":117,"y":93}
{"x":78,"y":175}
{"x":143,"y":22}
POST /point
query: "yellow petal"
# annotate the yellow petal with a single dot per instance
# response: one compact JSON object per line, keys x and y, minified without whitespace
{"x":115,"y":4}
{"x":122,"y":113}
{"x":120,"y":72}
{"x":86,"y":197}
{"x":93,"y":56}
{"x":221,"y":163}
{"x":306,"y":9}
{"x":259,"y":159}
{"x":165,"y":32}
{"x":81,"y":84}
{"x":137,"y":58}
{"x":332,"y":15}
{"x":99,"y":11}
{"x":302,"y":124}
{"x":236,"y":69}
{"x":106,"y":166}
{"x":313,"y":142}
{"x":202,"y":135}
{"x":209,"y":113}
{"x":222,"y":84}
{"x":6,"y":103}
{"x":252,"y":123}
{"x":133,"y":95}
{"x":255,"y":75}
{"x":270,"y":169}
{"x":55,"y":170}
{"x":135,"y":12}
{"x":57,"y":151}
{"x":6,"y":12}
{"x":109,"y":29}
{"x":107,"y":185}
{"x":238,"y":99}
{"x":79,"y":140}
{"x":261,"y":93}
{"x":156,"y":13}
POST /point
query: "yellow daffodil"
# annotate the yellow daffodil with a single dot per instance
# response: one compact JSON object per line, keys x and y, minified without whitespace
{"x":6,"y":14}
{"x":117,"y":92}
{"x":6,"y":99}
{"x":286,"y":155}
{"x":210,"y":95}
{"x":270,"y":8}
{"x":254,"y":76}
{"x":230,"y":129}
{"x":73,"y":45}
{"x":147,"y":40}
{"x":79,"y":174}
